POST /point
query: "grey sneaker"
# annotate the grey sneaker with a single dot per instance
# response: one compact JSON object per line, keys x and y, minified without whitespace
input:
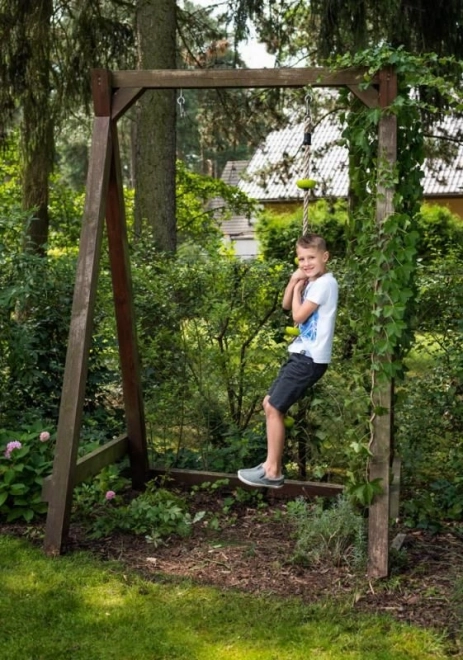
{"x":256,"y":477}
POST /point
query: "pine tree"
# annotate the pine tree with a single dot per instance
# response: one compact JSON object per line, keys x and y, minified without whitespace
{"x":46,"y":52}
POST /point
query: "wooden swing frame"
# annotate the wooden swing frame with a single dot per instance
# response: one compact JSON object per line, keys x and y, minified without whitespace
{"x":114,"y":92}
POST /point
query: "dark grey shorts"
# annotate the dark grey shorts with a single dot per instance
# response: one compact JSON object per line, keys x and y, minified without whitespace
{"x":295,"y":377}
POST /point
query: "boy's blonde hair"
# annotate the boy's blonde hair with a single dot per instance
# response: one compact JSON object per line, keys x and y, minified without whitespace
{"x":312,"y":241}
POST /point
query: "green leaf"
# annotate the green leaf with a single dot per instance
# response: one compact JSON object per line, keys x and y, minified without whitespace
{"x":9,"y":476}
{"x":18,"y":489}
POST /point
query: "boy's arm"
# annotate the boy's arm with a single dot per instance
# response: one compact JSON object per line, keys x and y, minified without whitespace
{"x":297,"y":276}
{"x":301,"y":310}
{"x":293,"y":295}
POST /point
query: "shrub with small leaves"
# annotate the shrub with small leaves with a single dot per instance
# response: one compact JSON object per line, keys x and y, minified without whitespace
{"x":336,"y":535}
{"x":26,"y":458}
{"x":156,"y":513}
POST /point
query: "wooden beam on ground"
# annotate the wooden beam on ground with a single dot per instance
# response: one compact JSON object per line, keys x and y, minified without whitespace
{"x":382,"y":395}
{"x":289,"y":489}
{"x":89,"y":465}
{"x":75,"y":373}
{"x":398,"y":542}
{"x":125,"y":319}
{"x":236,"y":78}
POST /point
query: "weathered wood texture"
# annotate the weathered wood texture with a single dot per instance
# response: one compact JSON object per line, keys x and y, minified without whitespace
{"x":89,"y":465}
{"x":398,"y":542}
{"x":378,"y":520}
{"x":368,"y":96}
{"x":394,"y":495}
{"x":289,"y":489}
{"x":102,"y":92}
{"x":125,"y":318}
{"x":123,"y":99}
{"x":75,"y":373}
{"x":250,"y":78}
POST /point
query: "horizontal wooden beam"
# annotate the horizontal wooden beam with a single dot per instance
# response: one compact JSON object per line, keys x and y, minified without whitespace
{"x":89,"y":465}
{"x":289,"y":489}
{"x":250,"y":78}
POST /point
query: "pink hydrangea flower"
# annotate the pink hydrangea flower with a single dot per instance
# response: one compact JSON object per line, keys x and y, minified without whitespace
{"x":110,"y":495}
{"x":11,"y":446}
{"x":44,"y":436}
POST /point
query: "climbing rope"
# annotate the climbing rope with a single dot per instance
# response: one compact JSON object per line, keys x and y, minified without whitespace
{"x":307,"y":143}
{"x":306,"y":183}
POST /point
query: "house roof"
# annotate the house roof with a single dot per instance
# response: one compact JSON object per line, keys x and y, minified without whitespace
{"x":238,"y":226}
{"x":232,"y":171}
{"x":272,"y":172}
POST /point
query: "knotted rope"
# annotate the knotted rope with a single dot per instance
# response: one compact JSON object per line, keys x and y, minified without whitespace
{"x":306,"y":161}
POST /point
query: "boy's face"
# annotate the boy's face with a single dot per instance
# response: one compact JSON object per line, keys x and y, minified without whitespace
{"x":312,"y":261}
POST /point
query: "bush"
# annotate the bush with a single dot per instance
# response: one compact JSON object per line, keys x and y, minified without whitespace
{"x":26,"y":458}
{"x":35,"y":308}
{"x":336,"y":534}
{"x":441,"y":232}
{"x":207,"y":340}
{"x":156,"y":513}
{"x":278,"y":233}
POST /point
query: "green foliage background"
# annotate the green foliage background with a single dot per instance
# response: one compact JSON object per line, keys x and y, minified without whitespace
{"x":211,"y":329}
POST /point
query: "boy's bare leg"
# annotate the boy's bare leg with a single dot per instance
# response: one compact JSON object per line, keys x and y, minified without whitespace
{"x":275,"y":440}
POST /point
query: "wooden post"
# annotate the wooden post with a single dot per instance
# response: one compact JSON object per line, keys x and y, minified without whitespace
{"x":382,"y":398}
{"x":394,"y":495}
{"x":80,"y":333}
{"x":75,"y":372}
{"x":123,"y":301}
{"x":104,"y":196}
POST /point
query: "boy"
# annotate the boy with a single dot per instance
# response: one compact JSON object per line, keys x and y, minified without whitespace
{"x":312,"y":296}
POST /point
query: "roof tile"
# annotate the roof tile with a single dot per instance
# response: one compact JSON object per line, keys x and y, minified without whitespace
{"x":275,"y":167}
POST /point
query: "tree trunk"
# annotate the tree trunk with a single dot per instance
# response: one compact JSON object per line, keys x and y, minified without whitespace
{"x":37,"y":141}
{"x":155,"y":149}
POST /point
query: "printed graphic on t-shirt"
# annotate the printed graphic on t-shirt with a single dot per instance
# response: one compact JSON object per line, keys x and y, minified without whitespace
{"x":316,"y":333}
{"x":308,"y":329}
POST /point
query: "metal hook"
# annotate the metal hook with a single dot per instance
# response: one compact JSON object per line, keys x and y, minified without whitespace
{"x":308,"y":101}
{"x":181,"y":103}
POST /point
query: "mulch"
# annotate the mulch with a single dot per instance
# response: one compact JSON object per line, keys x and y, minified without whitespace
{"x":252,"y":551}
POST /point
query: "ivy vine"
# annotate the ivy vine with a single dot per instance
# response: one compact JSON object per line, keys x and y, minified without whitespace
{"x":383,"y":254}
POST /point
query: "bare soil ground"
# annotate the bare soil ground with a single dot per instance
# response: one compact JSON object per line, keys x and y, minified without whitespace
{"x":252,"y":551}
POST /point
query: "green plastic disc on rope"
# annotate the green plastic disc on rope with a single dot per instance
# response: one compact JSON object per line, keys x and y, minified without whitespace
{"x":306,"y":184}
{"x":292,"y":330}
{"x":288,"y":421}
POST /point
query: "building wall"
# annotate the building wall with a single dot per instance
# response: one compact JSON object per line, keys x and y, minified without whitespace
{"x":246,"y":248}
{"x":454,"y":204}
{"x":282,"y":207}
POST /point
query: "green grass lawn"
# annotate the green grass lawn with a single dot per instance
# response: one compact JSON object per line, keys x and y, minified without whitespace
{"x":74,"y":607}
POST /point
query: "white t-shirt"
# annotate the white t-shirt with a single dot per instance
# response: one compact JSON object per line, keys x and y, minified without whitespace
{"x":316,"y":333}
